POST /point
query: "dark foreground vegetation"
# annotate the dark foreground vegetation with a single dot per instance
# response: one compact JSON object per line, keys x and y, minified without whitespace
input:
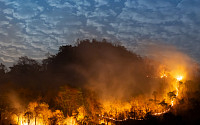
{"x":67,"y":80}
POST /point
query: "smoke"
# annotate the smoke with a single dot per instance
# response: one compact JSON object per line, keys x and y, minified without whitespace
{"x":117,"y":74}
{"x":174,"y":60}
{"x":111,"y":71}
{"x":14,"y":101}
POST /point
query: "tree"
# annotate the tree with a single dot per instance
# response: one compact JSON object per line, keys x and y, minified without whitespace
{"x":155,"y":95}
{"x":37,"y":110}
{"x":163,"y":103}
{"x":171,"y":95}
{"x":40,"y":110}
{"x":29,"y":116}
{"x":25,"y":65}
{"x":3,"y":69}
{"x":57,"y":117}
{"x":92,"y":106}
{"x":45,"y":112}
{"x":69,"y":100}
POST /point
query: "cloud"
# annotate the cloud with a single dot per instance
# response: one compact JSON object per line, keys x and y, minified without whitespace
{"x":7,"y":59}
{"x":8,"y":11}
{"x":101,"y":3}
{"x":37,"y":27}
{"x":4,"y":23}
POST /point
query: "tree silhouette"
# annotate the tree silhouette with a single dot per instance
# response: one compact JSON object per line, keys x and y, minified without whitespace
{"x":29,"y":116}
{"x":26,"y":66}
{"x":171,"y":95}
{"x":3,"y":69}
{"x":155,"y":93}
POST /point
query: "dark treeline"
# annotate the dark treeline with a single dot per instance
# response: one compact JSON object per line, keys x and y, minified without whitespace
{"x":72,"y":67}
{"x":77,"y":72}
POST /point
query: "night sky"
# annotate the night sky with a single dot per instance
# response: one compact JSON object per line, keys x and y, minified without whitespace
{"x":35,"y":27}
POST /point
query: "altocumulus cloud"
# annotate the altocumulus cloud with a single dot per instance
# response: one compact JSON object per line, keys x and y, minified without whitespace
{"x":36,"y":27}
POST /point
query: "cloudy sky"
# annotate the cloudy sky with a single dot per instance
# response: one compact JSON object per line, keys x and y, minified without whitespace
{"x":36,"y":27}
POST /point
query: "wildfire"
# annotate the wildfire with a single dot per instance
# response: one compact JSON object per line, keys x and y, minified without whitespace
{"x":40,"y":114}
{"x":137,"y":108}
{"x":70,"y":121}
{"x":115,"y":111}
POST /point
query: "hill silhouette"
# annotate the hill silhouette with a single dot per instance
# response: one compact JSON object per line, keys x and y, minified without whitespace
{"x":90,"y":71}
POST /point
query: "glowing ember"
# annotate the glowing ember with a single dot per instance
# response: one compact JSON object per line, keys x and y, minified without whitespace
{"x":162,"y":76}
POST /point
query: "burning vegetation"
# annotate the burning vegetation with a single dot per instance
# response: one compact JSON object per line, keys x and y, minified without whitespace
{"x":100,"y":83}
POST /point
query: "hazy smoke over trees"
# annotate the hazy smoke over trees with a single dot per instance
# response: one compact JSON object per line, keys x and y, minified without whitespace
{"x":87,"y":73}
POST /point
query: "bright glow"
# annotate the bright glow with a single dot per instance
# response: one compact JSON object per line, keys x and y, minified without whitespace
{"x":172,"y":103}
{"x":164,"y":75}
{"x":179,"y":78}
{"x":70,"y":121}
{"x":160,"y":113}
